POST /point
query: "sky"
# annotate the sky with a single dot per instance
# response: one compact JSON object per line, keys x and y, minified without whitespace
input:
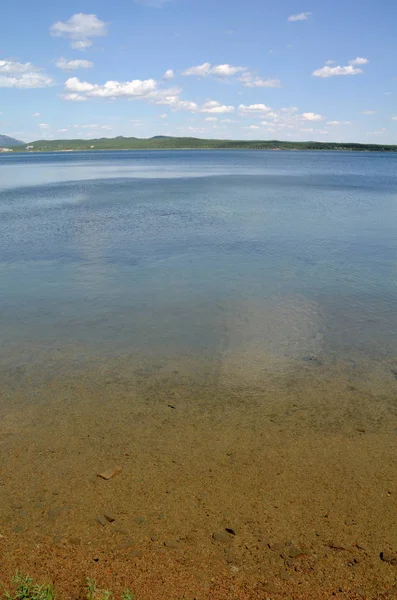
{"x":227,"y":69}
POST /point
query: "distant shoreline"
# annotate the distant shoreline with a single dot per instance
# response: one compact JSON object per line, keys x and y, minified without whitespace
{"x":174,"y":143}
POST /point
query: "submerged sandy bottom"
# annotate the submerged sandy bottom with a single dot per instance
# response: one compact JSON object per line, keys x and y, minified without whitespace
{"x":298,"y":461}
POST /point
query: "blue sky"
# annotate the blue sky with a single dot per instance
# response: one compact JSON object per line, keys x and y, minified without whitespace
{"x":291,"y":69}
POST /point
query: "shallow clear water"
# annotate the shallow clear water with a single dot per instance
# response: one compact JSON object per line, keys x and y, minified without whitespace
{"x":286,"y":255}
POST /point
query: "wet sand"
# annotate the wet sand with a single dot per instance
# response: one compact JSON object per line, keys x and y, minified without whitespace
{"x":298,"y":461}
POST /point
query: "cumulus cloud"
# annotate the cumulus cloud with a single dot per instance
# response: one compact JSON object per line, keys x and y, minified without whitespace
{"x":224,"y":70}
{"x":111,"y":89}
{"x":61,"y":130}
{"x":214,"y":107}
{"x":73,"y":97}
{"x":14,"y":74}
{"x":309,"y":116}
{"x":339,"y":123}
{"x":79,"y":29}
{"x":303,"y":16}
{"x":351,"y":69}
{"x":368,"y":112}
{"x":254,"y":108}
{"x":210,"y":119}
{"x":43,"y":125}
{"x":147,"y":90}
{"x":251,"y":80}
{"x":72,"y":65}
{"x":359,"y":61}
{"x":248,"y":79}
{"x":394,"y":118}
{"x":169,"y":74}
{"x":36,"y":114}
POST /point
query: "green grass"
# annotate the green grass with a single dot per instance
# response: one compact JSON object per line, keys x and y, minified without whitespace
{"x":23,"y":587}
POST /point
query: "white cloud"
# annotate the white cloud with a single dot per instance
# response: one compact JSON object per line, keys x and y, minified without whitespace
{"x":224,"y":70}
{"x":72,"y":65}
{"x":200,"y":70}
{"x":210,"y":119}
{"x":74,"y":97}
{"x":330,"y":62}
{"x":212,"y":106}
{"x":394,"y":118}
{"x":14,"y":74}
{"x":339,"y":123}
{"x":368,"y":112}
{"x":43,"y":126}
{"x":254,"y":108}
{"x":92,"y":126}
{"x":35,"y":114}
{"x":79,"y":29}
{"x":61,"y":130}
{"x":81,"y":44}
{"x":164,"y":116}
{"x":147,"y":90}
{"x":252,"y":127}
{"x":327,"y":71}
{"x":169,"y":74}
{"x":358,"y":61}
{"x":253,"y":81}
{"x":303,"y":16}
{"x":111,"y":89}
{"x":309,"y":116}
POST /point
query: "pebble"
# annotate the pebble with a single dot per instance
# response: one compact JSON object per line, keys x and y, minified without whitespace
{"x":389,"y":558}
{"x":140,"y":520}
{"x":221,"y":537}
{"x":294,"y":552}
{"x":278,"y":548}
{"x":101,"y":519}
{"x":109,"y":473}
{"x":230,"y":530}
{"x":109,"y":517}
{"x":75,"y":541}
{"x":171,"y":544}
{"x":350,"y":522}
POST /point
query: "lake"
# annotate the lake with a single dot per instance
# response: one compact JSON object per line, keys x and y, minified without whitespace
{"x":219,"y":323}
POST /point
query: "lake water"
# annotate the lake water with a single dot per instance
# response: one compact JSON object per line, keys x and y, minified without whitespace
{"x":214,"y":322}
{"x":289,"y":253}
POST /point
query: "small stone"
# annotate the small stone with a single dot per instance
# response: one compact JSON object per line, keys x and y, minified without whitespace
{"x":140,"y":520}
{"x":349,"y":522}
{"x":154,"y":538}
{"x":221,"y":537}
{"x":109,"y":473}
{"x":389,"y":558}
{"x":75,"y":541}
{"x":101,"y":519}
{"x":120,"y":530}
{"x":294,"y":552}
{"x":230,"y":530}
{"x":109,"y":517}
{"x":171,"y":544}
{"x":136,"y":554}
{"x":126,"y":544}
{"x":278,"y":548}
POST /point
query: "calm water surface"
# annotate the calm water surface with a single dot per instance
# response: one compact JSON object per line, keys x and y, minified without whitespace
{"x":284,"y":255}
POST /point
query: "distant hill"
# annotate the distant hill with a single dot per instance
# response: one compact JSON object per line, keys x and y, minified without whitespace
{"x":174,"y":143}
{"x":8,"y":142}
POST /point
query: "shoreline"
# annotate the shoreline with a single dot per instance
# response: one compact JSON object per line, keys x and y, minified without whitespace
{"x":282,"y":487}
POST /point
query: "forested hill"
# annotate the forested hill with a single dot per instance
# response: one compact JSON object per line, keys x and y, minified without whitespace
{"x":162,"y":142}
